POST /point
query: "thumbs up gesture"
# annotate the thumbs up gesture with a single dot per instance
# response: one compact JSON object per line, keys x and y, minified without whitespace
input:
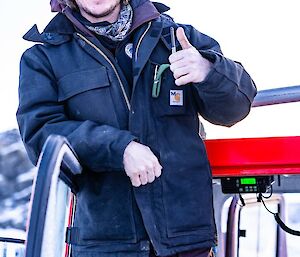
{"x":188,"y":65}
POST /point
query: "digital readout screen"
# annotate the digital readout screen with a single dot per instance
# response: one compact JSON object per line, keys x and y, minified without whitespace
{"x":248,"y":181}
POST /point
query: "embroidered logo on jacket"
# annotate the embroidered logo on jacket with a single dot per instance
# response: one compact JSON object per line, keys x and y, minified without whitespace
{"x":176,"y":97}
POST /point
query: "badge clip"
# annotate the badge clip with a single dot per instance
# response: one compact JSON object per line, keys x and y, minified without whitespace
{"x":157,"y":80}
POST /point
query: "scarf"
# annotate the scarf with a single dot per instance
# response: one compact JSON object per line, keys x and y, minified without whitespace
{"x":118,"y":30}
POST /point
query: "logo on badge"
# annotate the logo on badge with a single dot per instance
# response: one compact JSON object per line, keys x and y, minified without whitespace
{"x":176,"y":97}
{"x":129,"y":50}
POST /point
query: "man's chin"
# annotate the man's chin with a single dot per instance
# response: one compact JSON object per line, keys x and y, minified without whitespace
{"x":101,"y":14}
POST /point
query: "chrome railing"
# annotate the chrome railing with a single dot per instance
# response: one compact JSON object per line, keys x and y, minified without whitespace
{"x":277,"y":96}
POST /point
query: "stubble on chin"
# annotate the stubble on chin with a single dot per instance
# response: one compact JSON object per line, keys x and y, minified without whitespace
{"x":102,"y":14}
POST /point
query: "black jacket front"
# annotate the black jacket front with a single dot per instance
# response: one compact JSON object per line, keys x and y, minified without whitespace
{"x":72,"y":86}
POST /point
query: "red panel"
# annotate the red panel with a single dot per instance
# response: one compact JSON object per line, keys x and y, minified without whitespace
{"x":254,"y":156}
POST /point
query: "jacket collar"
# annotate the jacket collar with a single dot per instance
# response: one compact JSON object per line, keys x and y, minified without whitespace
{"x":56,"y":32}
{"x":144,"y":13}
{"x":61,"y":27}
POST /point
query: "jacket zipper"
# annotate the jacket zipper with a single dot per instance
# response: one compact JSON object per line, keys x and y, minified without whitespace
{"x":141,"y":39}
{"x":112,"y":65}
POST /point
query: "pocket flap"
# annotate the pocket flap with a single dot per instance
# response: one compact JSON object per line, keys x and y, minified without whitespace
{"x":81,"y":81}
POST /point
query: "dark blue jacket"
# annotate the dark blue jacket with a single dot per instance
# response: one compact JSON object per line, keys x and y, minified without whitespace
{"x":72,"y":86}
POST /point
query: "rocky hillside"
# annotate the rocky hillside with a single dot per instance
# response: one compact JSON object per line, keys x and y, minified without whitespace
{"x":16,"y":177}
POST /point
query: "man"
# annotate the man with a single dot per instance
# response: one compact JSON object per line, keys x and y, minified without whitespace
{"x":100,"y":77}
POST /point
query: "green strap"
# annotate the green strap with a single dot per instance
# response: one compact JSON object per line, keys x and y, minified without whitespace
{"x":157,"y":80}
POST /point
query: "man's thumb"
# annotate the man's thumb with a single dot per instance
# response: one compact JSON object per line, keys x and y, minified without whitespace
{"x":181,"y":37}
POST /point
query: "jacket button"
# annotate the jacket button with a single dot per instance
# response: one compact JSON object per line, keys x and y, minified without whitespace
{"x":48,"y":36}
{"x":132,"y":112}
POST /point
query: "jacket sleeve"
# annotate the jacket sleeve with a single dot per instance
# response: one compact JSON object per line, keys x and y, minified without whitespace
{"x":98,"y":146}
{"x":226,"y":95}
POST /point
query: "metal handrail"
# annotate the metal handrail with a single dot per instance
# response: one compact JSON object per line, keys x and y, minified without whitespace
{"x":12,"y":240}
{"x":56,"y":152}
{"x":277,"y":96}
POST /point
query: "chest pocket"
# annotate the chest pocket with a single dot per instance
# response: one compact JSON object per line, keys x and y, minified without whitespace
{"x":81,"y":81}
{"x":87,"y":96}
{"x":171,"y":100}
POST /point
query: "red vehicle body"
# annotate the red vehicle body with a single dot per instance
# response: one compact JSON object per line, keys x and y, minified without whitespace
{"x":254,"y":156}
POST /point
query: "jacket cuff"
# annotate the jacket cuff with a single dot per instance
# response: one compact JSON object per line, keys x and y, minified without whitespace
{"x":222,"y":68}
{"x":214,"y":77}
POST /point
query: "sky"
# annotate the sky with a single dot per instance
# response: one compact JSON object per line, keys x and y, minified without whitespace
{"x":261,"y":34}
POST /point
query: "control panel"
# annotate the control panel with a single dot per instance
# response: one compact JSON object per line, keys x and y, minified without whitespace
{"x":258,"y":184}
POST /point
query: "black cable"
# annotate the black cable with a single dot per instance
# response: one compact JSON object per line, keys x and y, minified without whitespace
{"x":242,"y":200}
{"x":267,"y":207}
{"x":270,"y":195}
{"x":284,"y":227}
{"x":280,"y":222}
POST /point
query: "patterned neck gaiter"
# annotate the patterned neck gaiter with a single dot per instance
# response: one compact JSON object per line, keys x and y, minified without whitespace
{"x":116,"y":31}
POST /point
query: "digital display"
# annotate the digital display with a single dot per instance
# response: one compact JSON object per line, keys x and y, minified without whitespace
{"x":248,"y":181}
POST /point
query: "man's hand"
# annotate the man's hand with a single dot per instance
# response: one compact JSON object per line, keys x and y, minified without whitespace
{"x":140,"y":164}
{"x":188,"y":65}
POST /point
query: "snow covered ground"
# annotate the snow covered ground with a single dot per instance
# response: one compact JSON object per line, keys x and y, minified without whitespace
{"x":16,"y":177}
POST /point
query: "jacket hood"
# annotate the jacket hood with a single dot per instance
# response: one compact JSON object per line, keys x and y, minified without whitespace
{"x":56,"y":6}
